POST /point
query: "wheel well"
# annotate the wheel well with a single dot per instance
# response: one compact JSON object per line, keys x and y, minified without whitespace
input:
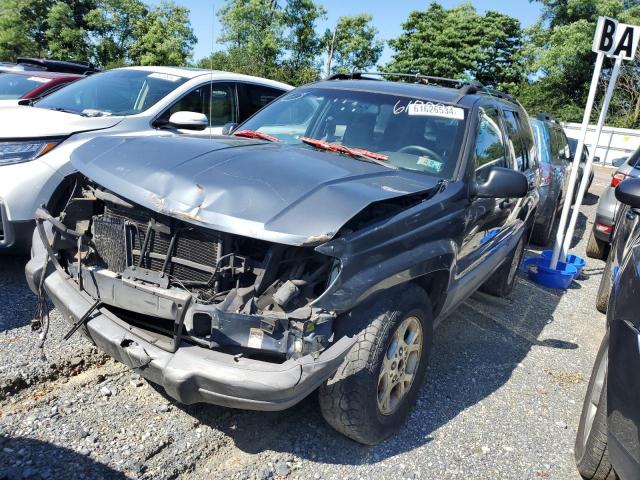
{"x":62,"y":193}
{"x":435,"y":284}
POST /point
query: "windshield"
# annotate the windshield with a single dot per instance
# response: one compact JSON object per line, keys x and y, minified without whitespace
{"x":14,"y":86}
{"x":408,"y":133}
{"x":117,"y":92}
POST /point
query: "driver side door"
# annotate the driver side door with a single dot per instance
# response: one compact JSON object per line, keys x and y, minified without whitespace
{"x":487,"y":218}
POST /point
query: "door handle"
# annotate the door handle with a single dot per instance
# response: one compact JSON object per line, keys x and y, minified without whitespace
{"x":507,"y":203}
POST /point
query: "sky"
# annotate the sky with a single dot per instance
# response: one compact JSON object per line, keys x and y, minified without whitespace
{"x":388,"y":16}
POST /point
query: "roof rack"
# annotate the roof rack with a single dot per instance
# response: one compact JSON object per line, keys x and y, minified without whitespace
{"x":417,"y":77}
{"x":60,"y":66}
{"x":466,"y":87}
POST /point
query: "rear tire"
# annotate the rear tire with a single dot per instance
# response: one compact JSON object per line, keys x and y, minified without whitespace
{"x":501,"y":283}
{"x":596,"y":248}
{"x":604,"y":289}
{"x":357,"y":399}
{"x":591,"y":452}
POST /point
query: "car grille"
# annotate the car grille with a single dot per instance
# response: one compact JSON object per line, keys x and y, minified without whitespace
{"x":120,"y":239}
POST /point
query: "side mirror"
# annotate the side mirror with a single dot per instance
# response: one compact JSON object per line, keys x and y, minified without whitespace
{"x":628,"y":192}
{"x":189,"y":120}
{"x":228,"y":128}
{"x":503,"y":183}
{"x":596,"y":159}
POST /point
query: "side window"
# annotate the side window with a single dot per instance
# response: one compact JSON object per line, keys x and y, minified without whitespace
{"x":220,"y":110}
{"x":254,"y":97}
{"x":520,"y":141}
{"x":490,"y":149}
{"x":564,"y":152}
{"x":555,"y":144}
{"x":222,"y":106}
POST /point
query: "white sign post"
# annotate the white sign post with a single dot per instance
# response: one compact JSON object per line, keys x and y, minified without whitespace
{"x":619,"y":41}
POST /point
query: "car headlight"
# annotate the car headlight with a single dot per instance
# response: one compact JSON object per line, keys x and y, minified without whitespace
{"x":18,"y":152}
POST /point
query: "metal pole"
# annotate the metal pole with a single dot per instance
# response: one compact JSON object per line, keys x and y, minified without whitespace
{"x":587,"y":168}
{"x":576,"y":161}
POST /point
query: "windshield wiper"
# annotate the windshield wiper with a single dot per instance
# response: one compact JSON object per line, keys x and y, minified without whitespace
{"x":374,"y":157}
{"x":65,"y":110}
{"x":254,"y":134}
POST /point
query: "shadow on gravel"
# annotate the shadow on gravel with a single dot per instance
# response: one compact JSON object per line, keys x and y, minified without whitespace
{"x":15,"y":293}
{"x":590,"y":199}
{"x":475,"y":353}
{"x":48,"y":461}
{"x":581,"y":228}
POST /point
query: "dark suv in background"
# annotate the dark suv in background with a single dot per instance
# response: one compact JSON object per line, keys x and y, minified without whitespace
{"x":554,"y":156}
{"x":317,"y":247}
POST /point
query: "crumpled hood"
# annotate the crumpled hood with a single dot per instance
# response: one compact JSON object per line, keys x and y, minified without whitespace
{"x":274,"y":192}
{"x":32,"y":122}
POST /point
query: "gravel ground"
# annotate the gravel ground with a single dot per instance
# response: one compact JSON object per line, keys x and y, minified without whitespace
{"x":502,"y":400}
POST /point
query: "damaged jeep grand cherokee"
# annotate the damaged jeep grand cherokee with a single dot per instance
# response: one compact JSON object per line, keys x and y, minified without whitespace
{"x":316,"y":247}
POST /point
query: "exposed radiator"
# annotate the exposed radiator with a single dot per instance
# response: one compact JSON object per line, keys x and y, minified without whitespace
{"x":120,"y":237}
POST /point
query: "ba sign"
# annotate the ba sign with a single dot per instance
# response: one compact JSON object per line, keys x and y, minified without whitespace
{"x":616,"y":39}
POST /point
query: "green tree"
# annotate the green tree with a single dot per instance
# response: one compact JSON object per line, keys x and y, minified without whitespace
{"x":270,"y":39}
{"x":163,"y":37}
{"x":23,"y":27}
{"x":352,"y":44}
{"x":113,"y":24}
{"x":66,"y":37}
{"x":302,"y":40}
{"x":560,"y":61}
{"x":253,"y":29}
{"x":460,"y":43}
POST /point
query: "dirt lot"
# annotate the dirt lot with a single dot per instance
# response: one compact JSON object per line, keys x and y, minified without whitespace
{"x":502,"y":400}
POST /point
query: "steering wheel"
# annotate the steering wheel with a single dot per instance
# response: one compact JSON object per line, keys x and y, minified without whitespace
{"x":420,"y":150}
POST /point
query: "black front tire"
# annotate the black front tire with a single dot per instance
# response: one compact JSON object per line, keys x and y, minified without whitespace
{"x":597,"y":248}
{"x":349,"y":400}
{"x":501,"y":283}
{"x":591,"y":452}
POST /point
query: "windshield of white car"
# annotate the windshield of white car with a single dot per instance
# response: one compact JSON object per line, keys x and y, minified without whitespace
{"x":14,"y":86}
{"x":117,"y":92}
{"x":404,"y":132}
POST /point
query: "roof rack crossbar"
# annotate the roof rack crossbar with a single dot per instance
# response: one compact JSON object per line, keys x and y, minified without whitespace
{"x":466,"y":87}
{"x":419,"y":77}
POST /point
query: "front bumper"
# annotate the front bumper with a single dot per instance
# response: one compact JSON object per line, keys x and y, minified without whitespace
{"x":191,"y":374}
{"x":15,"y":237}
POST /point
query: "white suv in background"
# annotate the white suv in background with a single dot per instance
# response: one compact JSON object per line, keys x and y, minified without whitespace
{"x":36,"y":141}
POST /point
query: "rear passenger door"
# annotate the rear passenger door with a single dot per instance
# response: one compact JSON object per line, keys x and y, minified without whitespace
{"x":521,"y":147}
{"x":562,"y":164}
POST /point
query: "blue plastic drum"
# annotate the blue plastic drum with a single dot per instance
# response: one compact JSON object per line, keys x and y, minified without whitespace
{"x":538,"y":270}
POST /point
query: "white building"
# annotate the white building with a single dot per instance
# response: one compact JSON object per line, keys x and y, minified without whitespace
{"x":614,"y":142}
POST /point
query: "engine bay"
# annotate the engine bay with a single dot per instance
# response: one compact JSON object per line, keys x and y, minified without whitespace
{"x":182,"y":282}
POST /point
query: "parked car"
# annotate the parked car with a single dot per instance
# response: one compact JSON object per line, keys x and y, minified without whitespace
{"x":602,"y":231}
{"x":573,"y":145}
{"x":29,"y":85}
{"x":554,"y":157}
{"x":622,"y":231}
{"x":24,"y":64}
{"x":607,"y":443}
{"x":318,"y":248}
{"x":148,"y":100}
